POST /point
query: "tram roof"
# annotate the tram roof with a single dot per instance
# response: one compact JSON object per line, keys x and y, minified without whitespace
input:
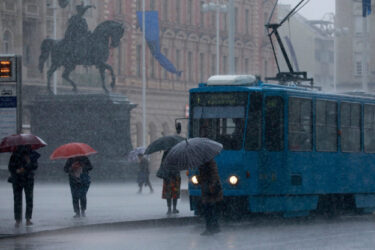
{"x":219,"y":84}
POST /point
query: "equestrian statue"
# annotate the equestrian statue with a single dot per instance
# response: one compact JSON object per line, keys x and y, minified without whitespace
{"x":80,"y":46}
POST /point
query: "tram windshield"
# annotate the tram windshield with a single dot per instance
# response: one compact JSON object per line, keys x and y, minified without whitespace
{"x":220,"y":117}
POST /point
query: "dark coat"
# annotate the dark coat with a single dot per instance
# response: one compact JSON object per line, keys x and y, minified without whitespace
{"x":209,"y":180}
{"x":143,"y":172}
{"x":19,"y":160}
{"x":84,"y":178}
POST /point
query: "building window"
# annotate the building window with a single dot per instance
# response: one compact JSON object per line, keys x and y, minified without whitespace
{"x":190,"y":66}
{"x":7,"y":42}
{"x":326,"y":126}
{"x":358,"y":68}
{"x":236,"y":19}
{"x":118,"y":6}
{"x":246,"y":66}
{"x":247,"y":21}
{"x":190,"y":11}
{"x":139,"y":6}
{"x":139,"y":52}
{"x":300,"y":124}
{"x":225,"y":64}
{"x":152,"y":5}
{"x":152,"y":67}
{"x":225,"y":21}
{"x":165,"y":10}
{"x":165,"y":50}
{"x":236,"y":68}
{"x":202,"y":14}
{"x":213,"y":65}
{"x":350,"y":119}
{"x":178,"y":58}
{"x":178,"y":12}
{"x":201,"y":67}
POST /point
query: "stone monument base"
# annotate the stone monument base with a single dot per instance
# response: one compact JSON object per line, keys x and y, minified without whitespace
{"x":99,"y":120}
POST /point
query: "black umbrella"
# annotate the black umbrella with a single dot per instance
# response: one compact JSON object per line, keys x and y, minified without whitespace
{"x":191,"y":153}
{"x":163,"y":143}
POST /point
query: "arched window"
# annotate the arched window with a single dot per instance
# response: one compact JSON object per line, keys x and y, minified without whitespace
{"x":7,"y":44}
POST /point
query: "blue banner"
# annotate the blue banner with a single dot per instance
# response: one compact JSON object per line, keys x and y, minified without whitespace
{"x":152,"y":39}
{"x":366,"y":7}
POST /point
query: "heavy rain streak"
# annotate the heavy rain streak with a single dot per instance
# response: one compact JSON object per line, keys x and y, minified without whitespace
{"x":187,"y":124}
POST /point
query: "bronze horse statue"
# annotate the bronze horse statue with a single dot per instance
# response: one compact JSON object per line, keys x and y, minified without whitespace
{"x":92,"y":50}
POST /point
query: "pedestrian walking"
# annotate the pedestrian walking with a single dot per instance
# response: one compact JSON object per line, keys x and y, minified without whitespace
{"x":171,"y":187}
{"x":143,"y":177}
{"x":79,"y":180}
{"x":22,"y":165}
{"x":212,"y":195}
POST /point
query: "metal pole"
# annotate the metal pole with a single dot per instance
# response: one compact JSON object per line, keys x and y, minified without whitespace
{"x":231,"y":37}
{"x":364,"y":54}
{"x":19,"y":94}
{"x":217,"y":38}
{"x":54,"y":37}
{"x":334,"y":61}
{"x":143,"y":74}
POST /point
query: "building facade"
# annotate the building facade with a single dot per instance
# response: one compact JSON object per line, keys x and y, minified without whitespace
{"x":312,"y":43}
{"x":188,"y":40}
{"x":351,"y":46}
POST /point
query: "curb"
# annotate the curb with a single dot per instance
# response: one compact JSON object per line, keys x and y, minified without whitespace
{"x":149,"y":223}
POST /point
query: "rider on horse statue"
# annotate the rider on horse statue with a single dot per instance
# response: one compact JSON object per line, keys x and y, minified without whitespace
{"x":78,"y":30}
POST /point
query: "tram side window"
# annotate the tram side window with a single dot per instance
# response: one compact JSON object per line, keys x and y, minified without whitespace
{"x":369,"y":128}
{"x":254,"y":123}
{"x":326,"y":126}
{"x":274,"y":117}
{"x":350,"y":127}
{"x":299,"y":124}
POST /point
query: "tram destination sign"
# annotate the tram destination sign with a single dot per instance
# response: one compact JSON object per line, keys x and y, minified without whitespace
{"x":219,"y":99}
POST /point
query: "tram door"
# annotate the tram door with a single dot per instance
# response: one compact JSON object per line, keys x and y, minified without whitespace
{"x":272,"y":156}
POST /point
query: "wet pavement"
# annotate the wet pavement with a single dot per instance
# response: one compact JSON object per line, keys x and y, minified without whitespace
{"x":342,"y":233}
{"x":106,"y":203}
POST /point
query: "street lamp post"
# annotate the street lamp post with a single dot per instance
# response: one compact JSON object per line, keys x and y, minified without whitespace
{"x":211,"y":6}
{"x":54,"y":7}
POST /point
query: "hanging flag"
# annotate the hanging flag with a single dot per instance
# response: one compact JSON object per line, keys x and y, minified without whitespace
{"x":152,"y":39}
{"x":366,"y":7}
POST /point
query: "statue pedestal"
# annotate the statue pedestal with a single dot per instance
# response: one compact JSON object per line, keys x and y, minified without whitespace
{"x":99,"y":120}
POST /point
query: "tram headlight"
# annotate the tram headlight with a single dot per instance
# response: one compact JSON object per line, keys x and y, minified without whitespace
{"x":233,"y":180}
{"x":194,"y":180}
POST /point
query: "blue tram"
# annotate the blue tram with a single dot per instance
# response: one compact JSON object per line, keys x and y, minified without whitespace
{"x":286,"y":149}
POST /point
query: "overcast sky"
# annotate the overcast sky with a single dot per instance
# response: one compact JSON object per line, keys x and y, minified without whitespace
{"x":314,"y":9}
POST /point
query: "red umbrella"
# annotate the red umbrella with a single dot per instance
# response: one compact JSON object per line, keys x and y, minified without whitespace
{"x":70,"y":150}
{"x":10,"y":143}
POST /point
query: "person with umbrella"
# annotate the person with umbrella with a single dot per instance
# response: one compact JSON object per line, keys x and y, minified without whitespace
{"x":143,"y":177}
{"x":172,"y":178}
{"x":212,"y":195}
{"x":171,"y":186}
{"x":22,"y":165}
{"x":79,"y":180}
{"x":200,"y":153}
{"x":78,"y":167}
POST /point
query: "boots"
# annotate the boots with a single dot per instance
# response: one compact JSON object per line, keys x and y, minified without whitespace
{"x":175,"y":211}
